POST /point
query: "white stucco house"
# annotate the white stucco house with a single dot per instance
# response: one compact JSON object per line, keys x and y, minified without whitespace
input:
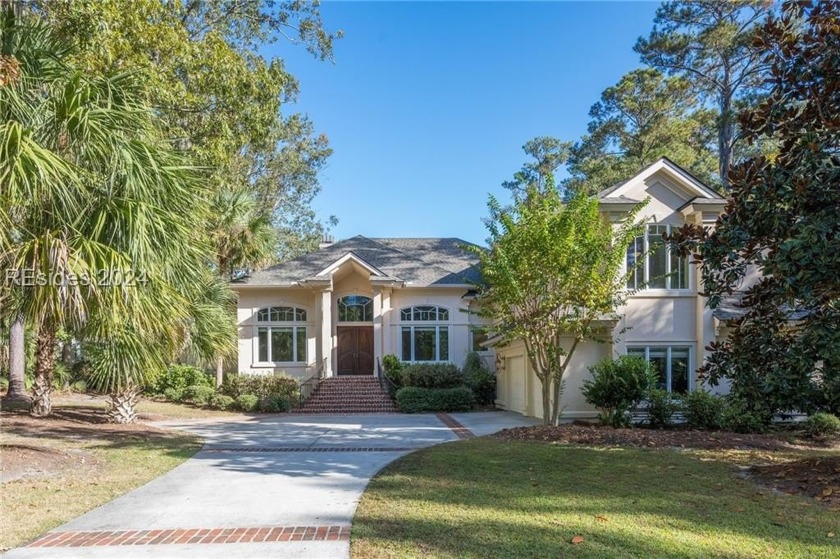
{"x":340,"y":309}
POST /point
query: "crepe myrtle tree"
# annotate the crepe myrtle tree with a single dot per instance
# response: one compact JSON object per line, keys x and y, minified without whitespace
{"x":551,"y":276}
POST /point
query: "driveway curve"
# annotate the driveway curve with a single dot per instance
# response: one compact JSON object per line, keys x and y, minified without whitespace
{"x":270,"y":486}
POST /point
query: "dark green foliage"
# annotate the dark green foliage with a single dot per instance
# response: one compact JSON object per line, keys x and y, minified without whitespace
{"x":432,"y":375}
{"x":4,"y":383}
{"x":740,"y":416}
{"x":198,"y":394}
{"x":393,"y":368}
{"x":274,"y":404}
{"x":781,"y":221}
{"x":418,"y":400}
{"x":703,"y":410}
{"x":174,"y":394}
{"x":822,"y":425}
{"x":178,"y":377}
{"x":247,"y":402}
{"x":262,"y":386}
{"x":617,"y":386}
{"x":480,"y":380}
{"x":221,"y":401}
{"x":661,"y":408}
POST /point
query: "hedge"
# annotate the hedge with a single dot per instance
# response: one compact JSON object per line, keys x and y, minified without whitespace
{"x":412,"y":399}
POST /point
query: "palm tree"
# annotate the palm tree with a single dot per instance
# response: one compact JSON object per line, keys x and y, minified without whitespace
{"x":95,"y":202}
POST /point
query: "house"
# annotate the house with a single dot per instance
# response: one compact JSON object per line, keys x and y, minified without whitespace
{"x":665,"y":318}
{"x":340,"y":309}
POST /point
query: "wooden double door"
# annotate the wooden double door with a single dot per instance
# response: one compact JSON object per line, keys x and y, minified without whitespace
{"x":355,"y":350}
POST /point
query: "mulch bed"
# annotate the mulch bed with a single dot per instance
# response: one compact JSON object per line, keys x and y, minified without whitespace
{"x":598,"y":435}
{"x":815,"y":477}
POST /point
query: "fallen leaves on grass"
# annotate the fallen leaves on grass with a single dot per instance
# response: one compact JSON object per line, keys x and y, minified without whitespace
{"x":815,"y":477}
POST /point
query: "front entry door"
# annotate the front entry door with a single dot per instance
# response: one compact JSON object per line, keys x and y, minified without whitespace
{"x":355,"y":350}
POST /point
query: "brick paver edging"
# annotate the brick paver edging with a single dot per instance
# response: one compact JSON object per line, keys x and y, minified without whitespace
{"x":309,"y":449}
{"x":194,"y":536}
{"x":456,"y":427}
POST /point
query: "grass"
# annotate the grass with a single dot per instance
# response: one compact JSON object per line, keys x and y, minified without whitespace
{"x":485,"y":498}
{"x":107,"y":461}
{"x":155,"y":409}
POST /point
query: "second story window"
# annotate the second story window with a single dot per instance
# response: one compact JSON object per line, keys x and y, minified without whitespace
{"x":652,"y":263}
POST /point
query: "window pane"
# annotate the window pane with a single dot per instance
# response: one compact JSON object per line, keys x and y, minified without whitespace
{"x":300,"y":315}
{"x":406,"y":344}
{"x":405,"y":314}
{"x":679,"y":271}
{"x":282,"y":344}
{"x":679,"y":370}
{"x":424,"y":344}
{"x":301,"y":344}
{"x":262,"y":315}
{"x":659,"y":358}
{"x":443,"y":334}
{"x":478,"y":338}
{"x":636,"y":351}
{"x":262,"y":342}
{"x":634,"y":252}
{"x":657,"y":257}
{"x":443,"y":314}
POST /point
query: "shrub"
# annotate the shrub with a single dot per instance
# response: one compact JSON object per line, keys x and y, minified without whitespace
{"x":4,"y":383}
{"x":261,"y":386}
{"x":432,"y":375}
{"x":174,"y":394}
{"x":740,"y":416}
{"x":480,"y":380}
{"x":198,"y":394}
{"x":179,"y":377}
{"x":221,"y":402}
{"x":617,"y":386}
{"x":79,"y":386}
{"x":661,"y":408}
{"x":822,"y":425}
{"x":703,"y":410}
{"x":274,"y":404}
{"x":247,"y":402}
{"x":393,"y":368}
{"x":411,"y":399}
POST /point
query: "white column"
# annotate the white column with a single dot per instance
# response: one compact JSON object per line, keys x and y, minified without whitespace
{"x":326,"y":331}
{"x":377,"y":328}
{"x":387,"y":346}
{"x":700,"y":315}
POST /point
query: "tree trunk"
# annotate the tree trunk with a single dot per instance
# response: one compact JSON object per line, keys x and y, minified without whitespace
{"x":122,"y":405}
{"x":220,"y":372}
{"x":546,"y":400}
{"x":17,"y":362}
{"x":725,"y":133}
{"x":44,"y":367}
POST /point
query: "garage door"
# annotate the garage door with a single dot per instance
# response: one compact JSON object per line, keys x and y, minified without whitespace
{"x":515,"y":371}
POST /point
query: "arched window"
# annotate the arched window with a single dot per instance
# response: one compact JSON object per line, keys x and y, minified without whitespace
{"x":281,"y":335}
{"x":427,"y":340}
{"x":355,"y":308}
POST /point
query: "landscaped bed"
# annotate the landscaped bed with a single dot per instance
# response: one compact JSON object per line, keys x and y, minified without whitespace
{"x":55,"y":469}
{"x":504,"y":497}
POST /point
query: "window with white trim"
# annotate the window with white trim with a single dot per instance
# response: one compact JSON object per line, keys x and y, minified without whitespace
{"x":652,"y":264}
{"x":478,"y":337}
{"x":426,"y":340}
{"x":355,"y":308}
{"x":671,"y":363}
{"x":281,"y":335}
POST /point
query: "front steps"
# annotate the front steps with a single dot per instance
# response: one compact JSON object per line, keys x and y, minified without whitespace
{"x":349,"y":395}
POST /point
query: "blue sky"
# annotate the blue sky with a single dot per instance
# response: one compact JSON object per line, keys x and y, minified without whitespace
{"x":427,"y":105}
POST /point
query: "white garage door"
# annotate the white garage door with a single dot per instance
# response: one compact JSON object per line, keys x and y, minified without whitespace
{"x":515,"y":371}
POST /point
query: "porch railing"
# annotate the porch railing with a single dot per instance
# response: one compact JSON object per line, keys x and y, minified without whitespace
{"x":384,"y":381}
{"x":307,"y":387}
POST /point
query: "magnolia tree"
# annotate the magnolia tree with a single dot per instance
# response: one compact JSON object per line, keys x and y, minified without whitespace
{"x":552,"y":278}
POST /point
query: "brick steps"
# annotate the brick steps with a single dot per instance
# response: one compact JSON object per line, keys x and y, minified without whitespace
{"x":349,"y":395}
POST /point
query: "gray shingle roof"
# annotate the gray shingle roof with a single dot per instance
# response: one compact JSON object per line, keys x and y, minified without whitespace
{"x":418,"y":262}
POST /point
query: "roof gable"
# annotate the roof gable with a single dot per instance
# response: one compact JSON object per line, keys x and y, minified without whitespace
{"x":693,"y":186}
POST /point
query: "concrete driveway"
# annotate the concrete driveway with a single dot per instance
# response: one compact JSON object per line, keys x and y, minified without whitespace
{"x":282,"y":486}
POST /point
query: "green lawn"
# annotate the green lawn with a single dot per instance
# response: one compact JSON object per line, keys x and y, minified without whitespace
{"x":487,"y":498}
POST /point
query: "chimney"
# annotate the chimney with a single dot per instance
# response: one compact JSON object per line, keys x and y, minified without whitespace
{"x":326,"y":241}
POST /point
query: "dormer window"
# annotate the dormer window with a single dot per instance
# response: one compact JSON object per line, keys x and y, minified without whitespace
{"x":653,"y":264}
